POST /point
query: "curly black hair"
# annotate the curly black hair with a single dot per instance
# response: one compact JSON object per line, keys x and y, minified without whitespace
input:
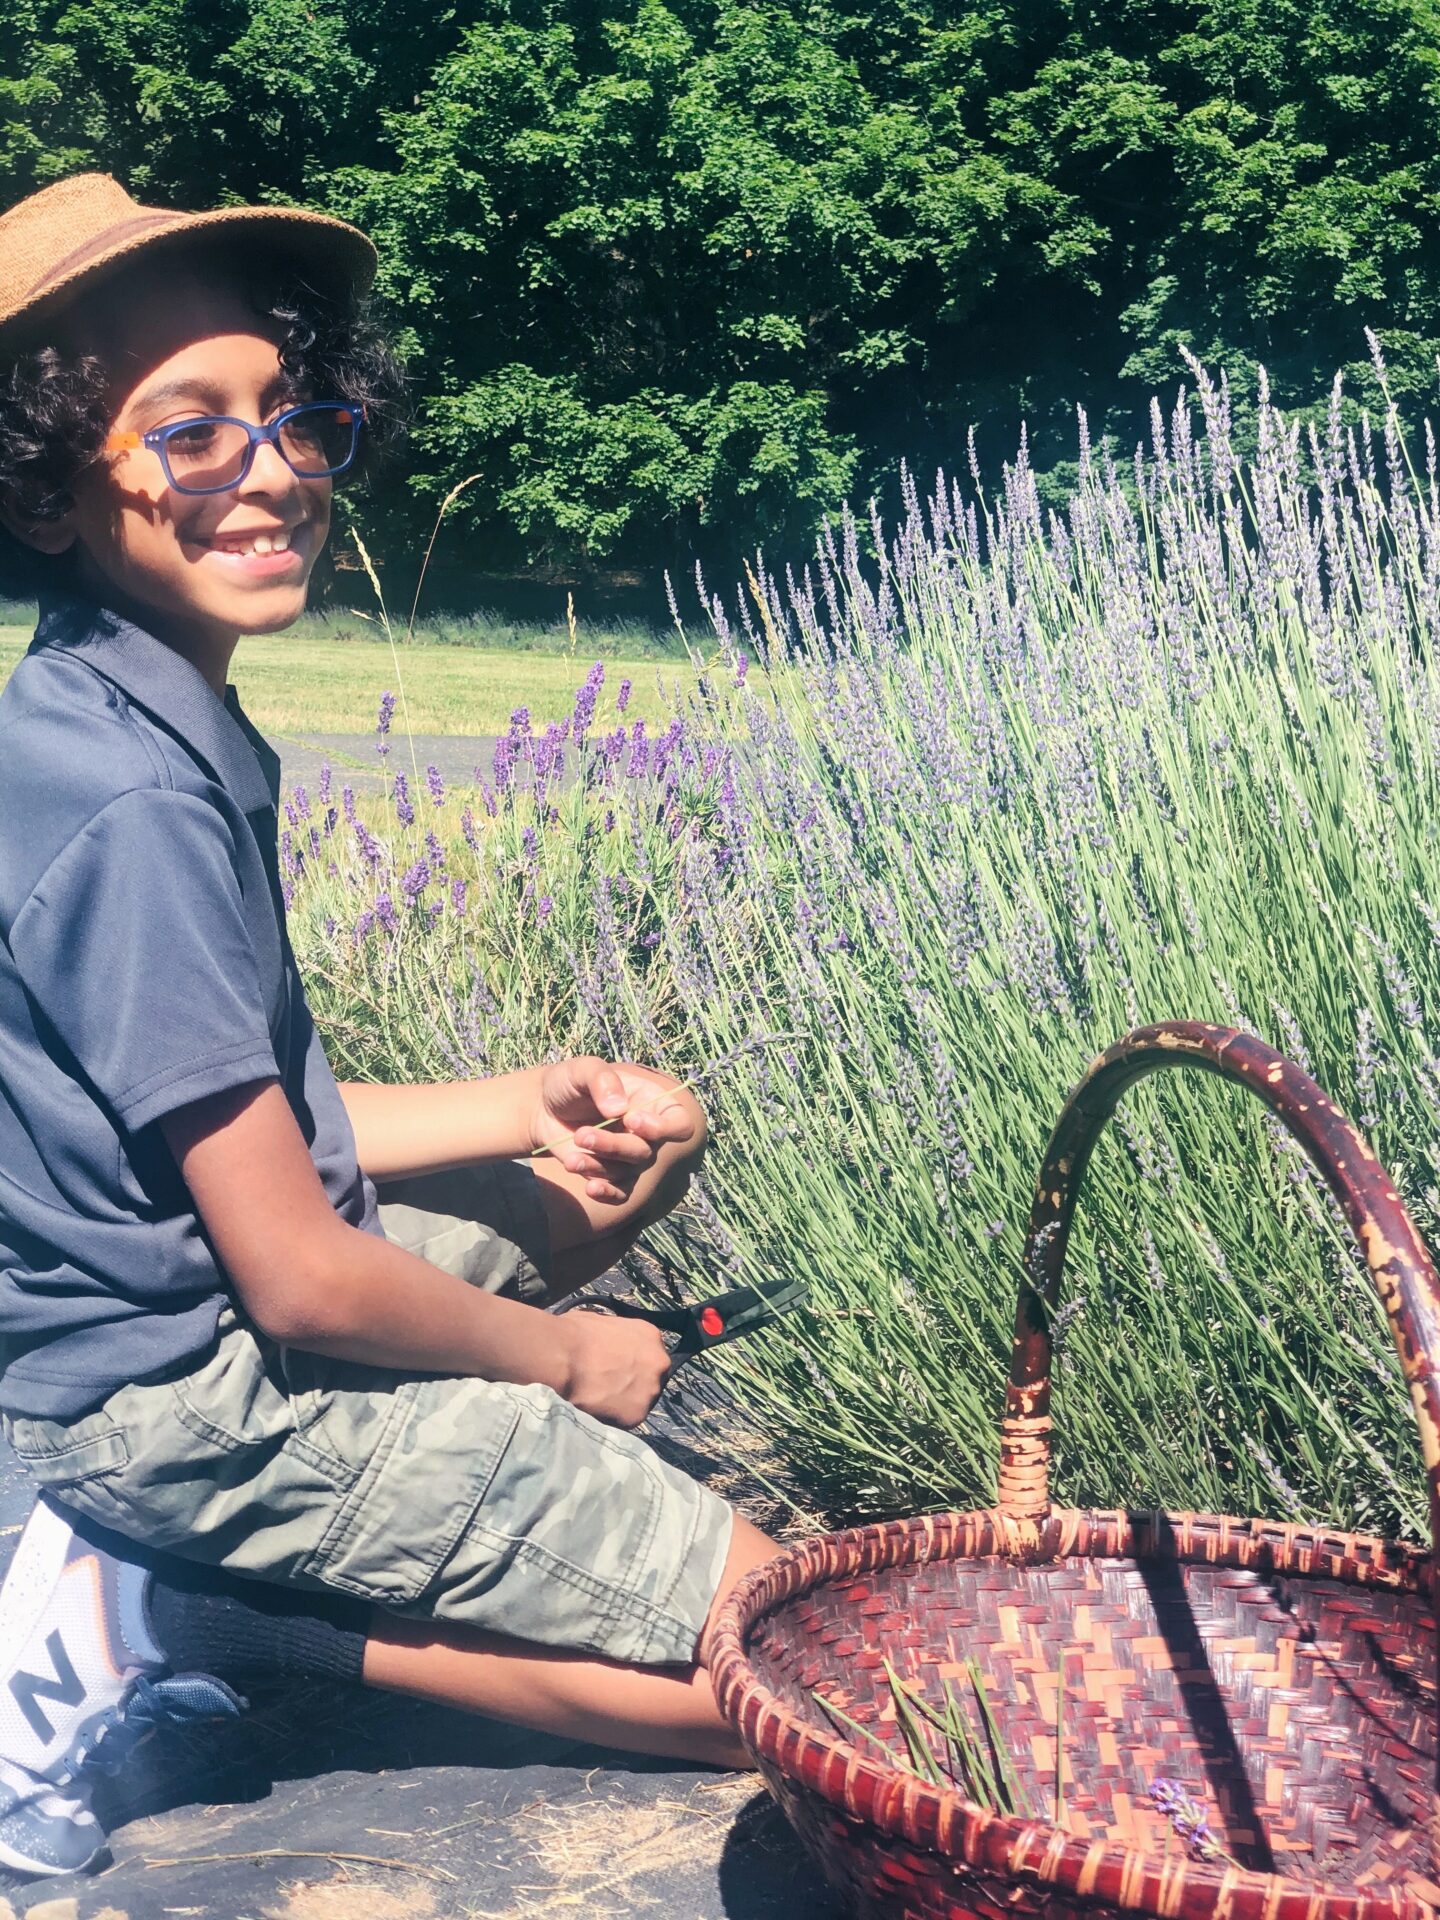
{"x":55,"y":406}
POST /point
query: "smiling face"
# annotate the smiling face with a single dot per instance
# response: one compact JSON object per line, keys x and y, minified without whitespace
{"x":198,"y":570}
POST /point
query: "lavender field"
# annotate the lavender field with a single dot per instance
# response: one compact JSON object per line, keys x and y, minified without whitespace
{"x":936,"y":819}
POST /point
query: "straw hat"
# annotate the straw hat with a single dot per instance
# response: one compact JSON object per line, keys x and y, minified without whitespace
{"x":69,"y":235}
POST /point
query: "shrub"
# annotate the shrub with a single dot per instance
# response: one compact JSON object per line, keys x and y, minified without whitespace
{"x":918,"y":841}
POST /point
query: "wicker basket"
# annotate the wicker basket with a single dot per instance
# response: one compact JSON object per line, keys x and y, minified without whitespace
{"x":1283,"y":1675}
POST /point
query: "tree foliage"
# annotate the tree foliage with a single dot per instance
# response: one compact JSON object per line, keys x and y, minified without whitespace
{"x":676,"y":275}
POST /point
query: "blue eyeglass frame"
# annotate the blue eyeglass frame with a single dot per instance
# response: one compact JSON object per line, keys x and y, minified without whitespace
{"x":157,"y":440}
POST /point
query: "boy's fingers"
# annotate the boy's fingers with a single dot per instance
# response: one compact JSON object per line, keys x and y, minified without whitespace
{"x":629,"y":1147}
{"x":662,"y":1119}
{"x":607,"y":1090}
{"x":588,"y":1165}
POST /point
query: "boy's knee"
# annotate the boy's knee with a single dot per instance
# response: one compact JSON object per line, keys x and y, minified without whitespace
{"x":679,"y":1159}
{"x":693,"y":1149}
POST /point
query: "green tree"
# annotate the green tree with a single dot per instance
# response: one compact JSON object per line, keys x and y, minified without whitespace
{"x":676,"y":275}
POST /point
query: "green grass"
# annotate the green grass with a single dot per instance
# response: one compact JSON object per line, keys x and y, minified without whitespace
{"x":308,"y":682}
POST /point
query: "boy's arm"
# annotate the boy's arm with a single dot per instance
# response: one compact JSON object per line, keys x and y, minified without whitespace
{"x":308,"y":1280}
{"x":422,"y":1129}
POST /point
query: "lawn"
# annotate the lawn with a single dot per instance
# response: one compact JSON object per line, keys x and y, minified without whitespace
{"x":312,"y":683}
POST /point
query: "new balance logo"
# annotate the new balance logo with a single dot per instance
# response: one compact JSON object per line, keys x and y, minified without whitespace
{"x":66,"y":1689}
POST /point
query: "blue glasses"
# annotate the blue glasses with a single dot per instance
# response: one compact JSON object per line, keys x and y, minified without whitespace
{"x":211,"y":453}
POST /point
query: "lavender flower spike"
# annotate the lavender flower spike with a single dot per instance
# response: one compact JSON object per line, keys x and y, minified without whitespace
{"x":382,"y":723}
{"x":1189,"y":1817}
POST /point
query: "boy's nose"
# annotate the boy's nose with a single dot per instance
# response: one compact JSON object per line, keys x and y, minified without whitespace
{"x":269,"y":472}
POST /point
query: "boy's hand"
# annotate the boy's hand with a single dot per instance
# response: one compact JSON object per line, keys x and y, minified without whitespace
{"x":650,"y":1108}
{"x":616,"y":1368}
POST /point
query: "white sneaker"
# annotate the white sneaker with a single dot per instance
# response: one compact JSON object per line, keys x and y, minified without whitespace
{"x":81,"y":1682}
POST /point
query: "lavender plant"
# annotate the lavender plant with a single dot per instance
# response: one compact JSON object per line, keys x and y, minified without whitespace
{"x":927,"y":829}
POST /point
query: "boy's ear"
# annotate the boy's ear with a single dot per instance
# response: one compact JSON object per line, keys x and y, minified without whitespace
{"x":52,"y":536}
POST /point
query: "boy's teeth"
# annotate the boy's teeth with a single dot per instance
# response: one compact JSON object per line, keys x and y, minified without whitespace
{"x":264,"y":543}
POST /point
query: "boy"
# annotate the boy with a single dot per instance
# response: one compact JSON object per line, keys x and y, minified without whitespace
{"x":221,"y":1339}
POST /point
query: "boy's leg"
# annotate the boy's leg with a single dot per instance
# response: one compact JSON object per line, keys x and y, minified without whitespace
{"x":587,"y":1237}
{"x":665,"y":1711}
{"x":550,"y":1239}
{"x":528,"y":1227}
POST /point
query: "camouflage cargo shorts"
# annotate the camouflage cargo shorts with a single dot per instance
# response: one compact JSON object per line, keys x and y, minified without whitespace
{"x":453,"y":1499}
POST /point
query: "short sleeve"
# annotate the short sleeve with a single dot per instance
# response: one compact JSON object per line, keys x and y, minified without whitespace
{"x":133,"y":945}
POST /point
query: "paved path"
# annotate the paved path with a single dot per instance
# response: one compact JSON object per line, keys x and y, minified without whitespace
{"x":352,"y":757}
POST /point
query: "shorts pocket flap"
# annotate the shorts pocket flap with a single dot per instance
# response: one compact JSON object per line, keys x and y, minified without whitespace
{"x":80,"y":1457}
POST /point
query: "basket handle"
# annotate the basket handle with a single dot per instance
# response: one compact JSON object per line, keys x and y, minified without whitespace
{"x":1399,"y":1263}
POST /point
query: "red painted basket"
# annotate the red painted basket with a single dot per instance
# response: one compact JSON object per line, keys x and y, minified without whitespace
{"x":1284,"y":1675}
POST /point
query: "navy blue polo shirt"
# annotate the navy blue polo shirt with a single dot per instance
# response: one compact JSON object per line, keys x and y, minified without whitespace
{"x":144,"y":965}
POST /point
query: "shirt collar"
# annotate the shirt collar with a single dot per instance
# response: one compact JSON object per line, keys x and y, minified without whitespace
{"x":171,"y":690}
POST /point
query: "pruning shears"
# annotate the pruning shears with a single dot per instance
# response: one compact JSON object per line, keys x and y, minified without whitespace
{"x":710,"y":1323}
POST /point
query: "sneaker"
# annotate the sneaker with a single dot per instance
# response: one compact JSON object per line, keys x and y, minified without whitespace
{"x":82,"y":1681}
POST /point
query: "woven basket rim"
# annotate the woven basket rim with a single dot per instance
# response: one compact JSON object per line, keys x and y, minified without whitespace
{"x":1038,"y":1852}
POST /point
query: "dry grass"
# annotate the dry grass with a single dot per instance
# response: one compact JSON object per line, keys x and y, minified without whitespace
{"x":603,"y":1857}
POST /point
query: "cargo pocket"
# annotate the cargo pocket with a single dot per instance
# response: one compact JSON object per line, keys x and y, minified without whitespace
{"x":311,"y":1385}
{"x":242,"y":1409}
{"x":430,"y":1449}
{"x":63,"y":1454}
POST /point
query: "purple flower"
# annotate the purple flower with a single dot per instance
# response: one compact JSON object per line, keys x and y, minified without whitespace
{"x":385,"y":912}
{"x":550,"y":754}
{"x":364,"y":925}
{"x":639,"y":751}
{"x":435,"y":852}
{"x":667,"y":744}
{"x":622,"y":697}
{"x":347,"y":803}
{"x":324,"y":788}
{"x":585,"y":699}
{"x":457,"y":896}
{"x":530,"y":846}
{"x":742,"y":667}
{"x":371,"y":850}
{"x":382,"y":723}
{"x":1188,"y":1816}
{"x":544,"y":907}
{"x":436,"y":785}
{"x":467,"y":829}
{"x":519,"y":722}
{"x":403,"y":807}
{"x":434,"y":910}
{"x":414,"y":881}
